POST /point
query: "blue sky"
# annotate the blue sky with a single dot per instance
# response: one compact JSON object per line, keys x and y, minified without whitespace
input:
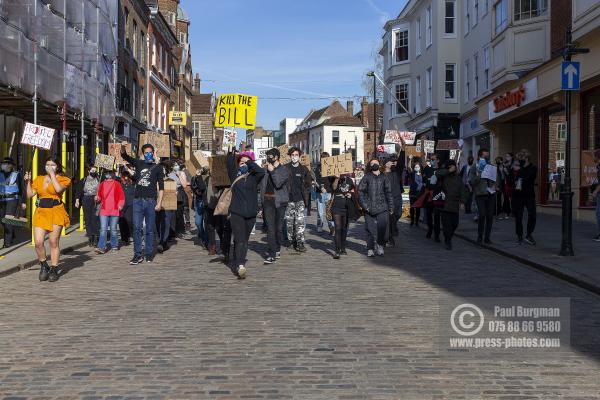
{"x":286,"y":49}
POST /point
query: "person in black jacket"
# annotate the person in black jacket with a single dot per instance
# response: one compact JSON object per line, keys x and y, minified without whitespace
{"x":245,"y":176}
{"x":198,"y":186}
{"x":454,"y":192}
{"x":378,"y":203}
{"x":524,"y":196}
{"x":275,"y":197}
{"x":299,"y":184}
{"x":126,"y":218}
{"x":394,"y":174}
{"x":85,"y":197}
{"x":343,"y":210}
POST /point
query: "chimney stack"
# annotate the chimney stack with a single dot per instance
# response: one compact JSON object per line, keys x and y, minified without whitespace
{"x":350,"y":107}
{"x":197,"y":84}
{"x":364,"y":108}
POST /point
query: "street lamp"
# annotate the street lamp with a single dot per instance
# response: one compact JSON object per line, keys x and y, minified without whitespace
{"x":372,"y":74}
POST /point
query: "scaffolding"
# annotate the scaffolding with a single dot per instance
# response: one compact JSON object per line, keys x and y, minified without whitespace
{"x":62,"y":52}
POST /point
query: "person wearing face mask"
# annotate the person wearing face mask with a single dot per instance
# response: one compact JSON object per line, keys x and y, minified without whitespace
{"x":299,"y":184}
{"x":149,"y":190}
{"x":508,"y":188}
{"x":344,"y":209}
{"x":111,"y":199}
{"x":50,"y":216}
{"x":377,"y":201}
{"x":12,"y":196}
{"x":394,"y":174}
{"x":524,"y":196}
{"x":464,"y":174}
{"x":245,"y":176}
{"x":484,"y":190}
{"x":324,"y":191}
{"x":166,"y":219}
{"x":85,"y":198}
{"x":179,"y":176}
{"x":454,"y":192}
{"x":126,"y":216}
{"x":417,"y":187}
{"x":275,"y":198}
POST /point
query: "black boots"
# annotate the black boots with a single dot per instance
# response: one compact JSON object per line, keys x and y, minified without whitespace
{"x":93,"y":240}
{"x":53,"y":275}
{"x":44,"y":271}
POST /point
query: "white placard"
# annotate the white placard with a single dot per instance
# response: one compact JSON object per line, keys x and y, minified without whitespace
{"x":408,"y":137}
{"x":386,"y":148}
{"x":38,"y":136}
{"x":429,"y":146}
{"x":490,"y":172}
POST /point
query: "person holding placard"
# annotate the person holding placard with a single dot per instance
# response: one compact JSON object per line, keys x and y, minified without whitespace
{"x":50,"y":216}
{"x":149,"y":190}
{"x":12,"y":196}
{"x":377,"y":201}
{"x":324,"y":192}
{"x":85,"y":197}
{"x":299,"y":186}
{"x":484,"y":189}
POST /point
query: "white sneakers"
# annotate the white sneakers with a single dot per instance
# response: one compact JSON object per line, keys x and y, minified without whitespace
{"x":370,"y":253}
{"x":379,"y":250}
{"x":242,"y":272}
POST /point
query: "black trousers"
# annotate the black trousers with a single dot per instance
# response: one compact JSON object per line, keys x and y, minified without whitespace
{"x":449,"y":224}
{"x":274,"y":217}
{"x":341,"y":231}
{"x":92,"y":222}
{"x":126,"y":223}
{"x":469,"y":203}
{"x":519,"y":204}
{"x":218,"y":225}
{"x":486,"y":205}
{"x":8,"y":208}
{"x":433,"y":220}
{"x":241,"y":229}
{"x":376,"y":226}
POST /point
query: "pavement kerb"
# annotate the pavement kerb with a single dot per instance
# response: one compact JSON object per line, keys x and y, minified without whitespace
{"x":31,"y":263}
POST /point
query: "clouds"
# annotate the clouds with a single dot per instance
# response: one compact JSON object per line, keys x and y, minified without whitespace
{"x":383,"y":16}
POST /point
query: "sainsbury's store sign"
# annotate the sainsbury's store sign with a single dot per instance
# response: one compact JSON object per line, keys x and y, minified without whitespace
{"x":509,"y":101}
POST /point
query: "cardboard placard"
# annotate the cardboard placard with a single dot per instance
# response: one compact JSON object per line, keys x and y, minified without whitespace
{"x":169,"y":201}
{"x":589,"y":172}
{"x":161,"y":143}
{"x":408,"y":137}
{"x":429,"y":146}
{"x":104,"y":161}
{"x":114,"y":150}
{"x":451,"y":144}
{"x":337,"y":165}
{"x":283,"y":149}
{"x":196,"y":162}
{"x":218,"y":171}
{"x":236,"y":110}
{"x":392,"y":137}
{"x":38,"y":136}
{"x":411,"y":151}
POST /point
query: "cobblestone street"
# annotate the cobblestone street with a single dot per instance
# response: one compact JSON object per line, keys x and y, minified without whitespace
{"x":308,"y":327}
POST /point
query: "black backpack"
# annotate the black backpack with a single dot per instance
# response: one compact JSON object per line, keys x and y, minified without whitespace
{"x":198,"y":186}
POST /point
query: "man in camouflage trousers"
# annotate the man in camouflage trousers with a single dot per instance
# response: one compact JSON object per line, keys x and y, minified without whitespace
{"x":299,"y":185}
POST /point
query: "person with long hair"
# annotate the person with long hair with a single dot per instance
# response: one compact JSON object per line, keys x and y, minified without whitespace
{"x":111,"y":199}
{"x":245,"y":176}
{"x":50,"y":216}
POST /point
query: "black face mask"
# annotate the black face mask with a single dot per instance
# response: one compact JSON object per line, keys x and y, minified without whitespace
{"x":94,"y":174}
{"x":375,"y":167}
{"x":522,"y":163}
{"x":271,"y":160}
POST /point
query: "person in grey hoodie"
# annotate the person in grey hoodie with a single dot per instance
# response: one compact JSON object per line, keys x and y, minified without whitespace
{"x":275,"y":197}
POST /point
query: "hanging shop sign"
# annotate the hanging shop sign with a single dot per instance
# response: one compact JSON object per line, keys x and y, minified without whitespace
{"x":177,"y":118}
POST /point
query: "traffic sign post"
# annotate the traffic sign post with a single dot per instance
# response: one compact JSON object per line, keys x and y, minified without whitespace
{"x":570,"y":77}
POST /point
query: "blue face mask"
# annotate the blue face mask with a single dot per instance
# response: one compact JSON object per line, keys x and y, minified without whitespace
{"x":243,"y":169}
{"x":148,"y":158}
{"x":482,"y":164}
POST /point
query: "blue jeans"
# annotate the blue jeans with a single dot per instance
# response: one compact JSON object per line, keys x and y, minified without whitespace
{"x":322,"y":200}
{"x":199,"y":219}
{"x":143,"y":210}
{"x":114,"y":235}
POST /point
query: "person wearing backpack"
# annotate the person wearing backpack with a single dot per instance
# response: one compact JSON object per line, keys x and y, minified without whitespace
{"x":198,"y":186}
{"x":245,"y":176}
{"x":454,"y":190}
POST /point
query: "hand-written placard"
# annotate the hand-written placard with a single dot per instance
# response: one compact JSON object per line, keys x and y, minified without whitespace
{"x":105,"y":162}
{"x":160,"y":142}
{"x":411,"y":151}
{"x":218,"y":171}
{"x":419,"y":146}
{"x":451,"y":144}
{"x":392,"y":137}
{"x":114,"y":150}
{"x":236,"y":110}
{"x":337,"y":165}
{"x":386,"y":149}
{"x":38,"y":136}
{"x":429,"y":146}
{"x":408,"y":137}
{"x":589,"y":172}
{"x":283,"y":150}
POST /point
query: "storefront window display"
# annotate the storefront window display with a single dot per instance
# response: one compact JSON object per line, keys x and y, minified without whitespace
{"x":556,"y":156}
{"x":590,"y":139}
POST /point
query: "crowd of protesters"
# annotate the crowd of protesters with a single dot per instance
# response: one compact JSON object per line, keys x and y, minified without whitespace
{"x":126,"y":206}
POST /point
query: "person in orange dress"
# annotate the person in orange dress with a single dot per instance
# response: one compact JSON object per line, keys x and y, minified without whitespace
{"x":50,"y":215}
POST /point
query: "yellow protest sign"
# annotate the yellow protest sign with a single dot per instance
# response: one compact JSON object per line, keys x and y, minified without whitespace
{"x":177,"y":118}
{"x":236,"y":110}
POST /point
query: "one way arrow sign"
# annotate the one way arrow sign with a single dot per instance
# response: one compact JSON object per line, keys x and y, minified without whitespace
{"x":570,"y":75}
